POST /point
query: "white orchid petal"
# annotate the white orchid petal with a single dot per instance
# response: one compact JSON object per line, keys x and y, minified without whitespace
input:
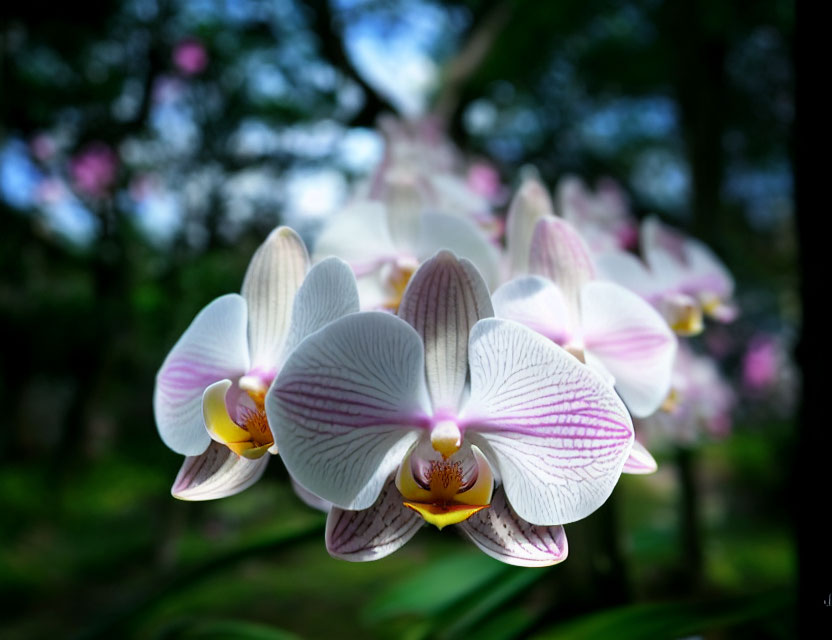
{"x":663,"y":249}
{"x":559,"y":253}
{"x":629,"y":271}
{"x":707,"y":272}
{"x":537,"y":303}
{"x":559,"y":435}
{"x":443,"y":301}
{"x":328,"y":292}
{"x":358,"y":234}
{"x":530,"y":204}
{"x":632,"y":341}
{"x":404,"y":207}
{"x":345,"y":405}
{"x":373,"y":533}
{"x":464,"y":239}
{"x":212,"y":348}
{"x":216,"y":473}
{"x":503,"y":535}
{"x":274,"y":276}
{"x":640,"y":461}
{"x":309,"y":498}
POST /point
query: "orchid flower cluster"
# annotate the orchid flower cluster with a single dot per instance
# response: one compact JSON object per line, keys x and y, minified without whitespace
{"x":428,"y":370}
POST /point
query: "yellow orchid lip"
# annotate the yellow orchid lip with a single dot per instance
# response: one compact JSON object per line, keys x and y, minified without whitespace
{"x":442,"y":503}
{"x":251,"y":440}
{"x":441,"y":516}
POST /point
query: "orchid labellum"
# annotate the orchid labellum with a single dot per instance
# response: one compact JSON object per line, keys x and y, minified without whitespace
{"x":447,"y":415}
{"x":210,"y":390}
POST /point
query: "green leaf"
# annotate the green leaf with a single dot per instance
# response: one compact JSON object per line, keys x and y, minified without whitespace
{"x":435,"y":587}
{"x":671,"y":619}
{"x":489,"y":600}
{"x":222,"y":629}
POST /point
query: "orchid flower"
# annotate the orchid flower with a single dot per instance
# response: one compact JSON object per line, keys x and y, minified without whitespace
{"x":210,"y":390}
{"x":444,"y":414}
{"x":700,"y":402}
{"x":602,"y":324}
{"x":681,"y":277}
{"x":384,"y":242}
{"x":421,"y":149}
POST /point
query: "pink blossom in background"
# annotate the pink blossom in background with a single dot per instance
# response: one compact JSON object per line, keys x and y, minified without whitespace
{"x":190,"y":56}
{"x":93,"y":169}
{"x":760,"y":363}
{"x":484,"y":179}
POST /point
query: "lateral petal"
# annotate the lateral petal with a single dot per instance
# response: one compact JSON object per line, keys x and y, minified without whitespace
{"x":502,"y":534}
{"x":537,"y":303}
{"x":372,"y":533}
{"x":212,"y":348}
{"x":443,"y":301}
{"x":216,"y":473}
{"x":328,"y":292}
{"x":640,"y":461}
{"x":632,"y":341}
{"x":274,"y":276}
{"x":558,"y":434}
{"x":347,"y":404}
{"x":629,"y":271}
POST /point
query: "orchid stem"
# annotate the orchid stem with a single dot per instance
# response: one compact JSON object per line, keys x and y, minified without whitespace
{"x":118,"y":620}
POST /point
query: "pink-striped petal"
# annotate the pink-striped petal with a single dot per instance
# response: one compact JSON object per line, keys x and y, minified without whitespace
{"x":529,"y":205}
{"x":212,"y":348}
{"x":463,"y":238}
{"x":640,"y":461}
{"x":503,"y":535}
{"x":373,"y":533}
{"x":216,"y":473}
{"x":274,"y":276}
{"x":443,"y":301}
{"x":347,"y":404}
{"x":537,"y":303}
{"x":632,"y":341}
{"x":559,"y":435}
{"x":559,"y":253}
{"x":328,"y":292}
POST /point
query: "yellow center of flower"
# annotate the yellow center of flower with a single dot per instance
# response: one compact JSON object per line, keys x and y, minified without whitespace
{"x":249,"y":437}
{"x":398,"y":280}
{"x":444,"y":480}
{"x":671,"y":402}
{"x":445,"y":501}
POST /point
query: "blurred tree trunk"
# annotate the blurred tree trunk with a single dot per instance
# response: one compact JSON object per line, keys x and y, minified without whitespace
{"x":700,"y":47}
